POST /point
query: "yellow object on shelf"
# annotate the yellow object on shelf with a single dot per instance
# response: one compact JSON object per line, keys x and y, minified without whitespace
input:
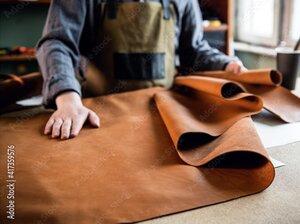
{"x":215,"y":23}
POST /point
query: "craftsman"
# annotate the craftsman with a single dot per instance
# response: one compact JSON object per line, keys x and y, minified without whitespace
{"x":133,"y":45}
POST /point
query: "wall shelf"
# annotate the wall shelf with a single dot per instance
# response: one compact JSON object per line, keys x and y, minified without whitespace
{"x":223,"y":10}
{"x":223,"y":27}
{"x":17,"y":58}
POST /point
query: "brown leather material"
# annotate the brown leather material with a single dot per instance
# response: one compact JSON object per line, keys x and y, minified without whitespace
{"x":128,"y":170}
{"x":217,"y":87}
{"x":265,"y":84}
{"x":206,"y":112}
{"x":14,"y":88}
{"x":260,"y":76}
{"x":278,"y":100}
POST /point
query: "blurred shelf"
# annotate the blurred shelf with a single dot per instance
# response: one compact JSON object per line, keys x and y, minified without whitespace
{"x":219,"y":36}
{"x":25,"y":1}
{"x":17,"y":58}
{"x":223,"y":27}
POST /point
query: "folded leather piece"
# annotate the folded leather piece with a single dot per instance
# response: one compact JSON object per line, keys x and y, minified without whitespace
{"x":217,"y":87}
{"x":207,"y":112}
{"x":266,"y":84}
{"x":129,"y":170}
{"x":278,"y":100}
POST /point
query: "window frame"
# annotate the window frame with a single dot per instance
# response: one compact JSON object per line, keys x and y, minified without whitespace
{"x":255,"y":39}
{"x":287,"y":23}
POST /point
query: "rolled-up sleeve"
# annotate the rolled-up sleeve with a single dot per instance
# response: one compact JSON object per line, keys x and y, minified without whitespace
{"x":194,"y":52}
{"x":58,"y":50}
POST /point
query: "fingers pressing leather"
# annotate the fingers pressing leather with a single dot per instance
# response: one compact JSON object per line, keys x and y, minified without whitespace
{"x":67,"y":122}
{"x":57,"y":128}
{"x":77,"y":125}
{"x":94,"y":119}
{"x":66,"y":129}
{"x":48,"y":127}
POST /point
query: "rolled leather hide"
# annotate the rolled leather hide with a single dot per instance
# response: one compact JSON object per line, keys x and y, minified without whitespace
{"x":266,"y":84}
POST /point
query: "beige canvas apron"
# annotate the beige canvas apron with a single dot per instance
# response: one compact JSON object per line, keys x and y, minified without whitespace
{"x":136,"y":47}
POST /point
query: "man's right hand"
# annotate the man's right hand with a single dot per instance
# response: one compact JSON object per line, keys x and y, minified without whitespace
{"x":67,"y":121}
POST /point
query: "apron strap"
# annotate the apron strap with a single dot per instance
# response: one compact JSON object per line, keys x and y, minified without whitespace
{"x":113,"y":8}
{"x":166,"y":8}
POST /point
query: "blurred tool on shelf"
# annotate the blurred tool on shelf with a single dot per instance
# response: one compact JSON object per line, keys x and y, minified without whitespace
{"x":19,"y":50}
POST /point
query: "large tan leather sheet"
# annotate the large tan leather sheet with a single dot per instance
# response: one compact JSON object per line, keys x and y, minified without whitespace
{"x":157,"y":152}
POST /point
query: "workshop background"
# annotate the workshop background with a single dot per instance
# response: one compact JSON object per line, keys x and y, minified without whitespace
{"x":249,"y":29}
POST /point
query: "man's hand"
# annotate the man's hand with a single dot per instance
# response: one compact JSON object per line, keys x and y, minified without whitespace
{"x":67,"y":121}
{"x":235,"y":67}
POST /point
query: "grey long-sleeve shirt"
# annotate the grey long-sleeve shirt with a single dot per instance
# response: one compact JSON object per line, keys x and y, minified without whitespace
{"x":70,"y":31}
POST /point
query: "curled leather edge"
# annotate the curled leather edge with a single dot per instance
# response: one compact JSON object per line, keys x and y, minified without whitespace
{"x":278,"y":100}
{"x":265,"y":84}
{"x":176,"y":122}
{"x":201,"y":157}
{"x":216,"y":148}
{"x":258,"y":77}
{"x":217,"y":87}
{"x":166,"y":102}
{"x":232,"y":141}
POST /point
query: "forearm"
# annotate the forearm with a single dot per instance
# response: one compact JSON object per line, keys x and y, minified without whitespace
{"x":194,"y":52}
{"x":57,"y":69}
{"x":58,"y":51}
{"x":203,"y":57}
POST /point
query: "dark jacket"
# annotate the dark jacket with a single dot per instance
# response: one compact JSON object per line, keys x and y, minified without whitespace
{"x":70,"y":31}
